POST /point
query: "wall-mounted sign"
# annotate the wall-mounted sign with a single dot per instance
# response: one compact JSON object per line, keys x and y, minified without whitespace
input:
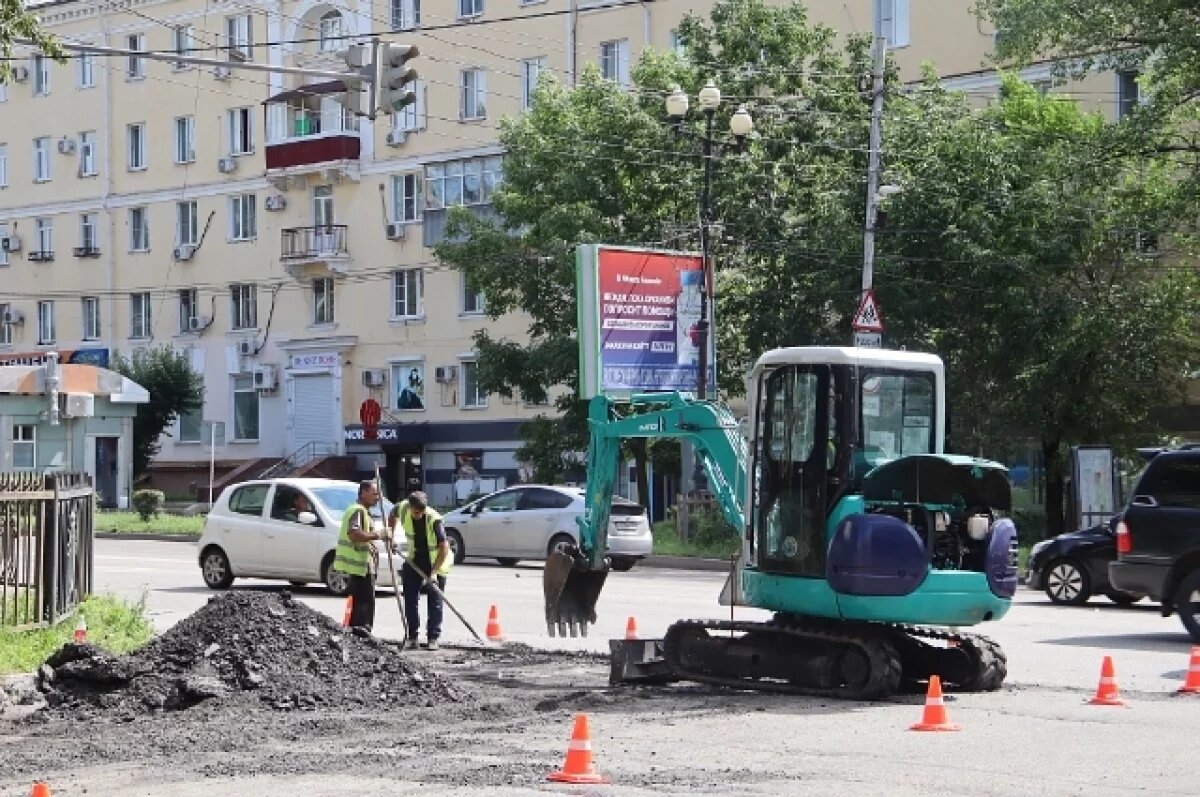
{"x":98,"y":357}
{"x":381,"y":433}
{"x":317,"y":360}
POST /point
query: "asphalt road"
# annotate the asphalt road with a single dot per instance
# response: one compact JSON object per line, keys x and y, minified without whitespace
{"x":1047,"y":645}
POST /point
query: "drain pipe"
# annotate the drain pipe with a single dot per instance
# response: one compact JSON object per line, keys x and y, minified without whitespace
{"x":50,"y":369}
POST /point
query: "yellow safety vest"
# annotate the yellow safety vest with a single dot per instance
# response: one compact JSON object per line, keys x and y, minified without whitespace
{"x":353,"y":557}
{"x":431,"y":519}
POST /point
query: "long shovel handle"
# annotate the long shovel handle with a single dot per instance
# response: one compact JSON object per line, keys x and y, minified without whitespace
{"x":432,"y":584}
{"x":391,"y":561}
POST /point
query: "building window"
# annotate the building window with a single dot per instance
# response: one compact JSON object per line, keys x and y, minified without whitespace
{"x":86,"y":75}
{"x":891,"y":22}
{"x":139,"y":230}
{"x":3,"y":253}
{"x":135,"y":69}
{"x":1128,"y":92}
{"x":406,"y":293}
{"x":241,"y":131}
{"x":330,"y":32}
{"x":404,"y":198}
{"x":87,"y":153}
{"x":87,"y":232}
{"x":139,"y":315}
{"x":323,"y":301}
{"x":5,"y":329}
{"x":185,"y":139}
{"x":531,"y":70}
{"x":91,"y":317}
{"x":614,"y":62}
{"x":675,"y":43}
{"x":245,"y":409}
{"x":41,"y":159}
{"x":136,"y":137}
{"x":44,"y":229}
{"x":244,"y":306}
{"x":189,"y":308}
{"x":409,"y":380}
{"x":472,"y":101}
{"x":406,"y":14}
{"x":239,"y":38}
{"x":24,"y":446}
{"x":41,"y":75}
{"x":190,"y":424}
{"x":3,"y":165}
{"x":470,"y":8}
{"x":186,"y":223}
{"x":469,"y":182}
{"x":45,"y":322}
{"x":472,"y":300}
{"x":181,"y":43}
{"x":242,"y":223}
{"x":472,"y":396}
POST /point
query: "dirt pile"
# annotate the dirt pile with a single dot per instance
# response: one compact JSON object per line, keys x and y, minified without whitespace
{"x":267,"y":648}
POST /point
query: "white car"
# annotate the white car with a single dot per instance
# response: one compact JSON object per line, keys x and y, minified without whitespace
{"x":255,"y":530}
{"x":530,"y":520}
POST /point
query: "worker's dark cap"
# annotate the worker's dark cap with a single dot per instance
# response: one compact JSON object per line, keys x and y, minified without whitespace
{"x":418,"y":500}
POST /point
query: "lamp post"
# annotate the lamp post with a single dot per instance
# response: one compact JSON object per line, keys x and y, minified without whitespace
{"x":740,"y":126}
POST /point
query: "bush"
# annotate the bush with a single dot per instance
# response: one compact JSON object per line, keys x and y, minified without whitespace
{"x":148,"y":503}
{"x":1031,"y":524}
{"x":709,"y":528}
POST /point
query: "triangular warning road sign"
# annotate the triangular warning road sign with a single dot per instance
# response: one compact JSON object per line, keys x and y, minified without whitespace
{"x":868,"y":318}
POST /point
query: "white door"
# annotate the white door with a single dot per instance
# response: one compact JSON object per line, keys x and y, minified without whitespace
{"x":314,"y":416}
{"x":489,"y":531}
{"x":536,"y":519}
{"x":291,"y":548}
{"x":323,"y":235}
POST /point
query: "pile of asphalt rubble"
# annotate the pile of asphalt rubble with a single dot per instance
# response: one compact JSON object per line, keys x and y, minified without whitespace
{"x":266,"y":648}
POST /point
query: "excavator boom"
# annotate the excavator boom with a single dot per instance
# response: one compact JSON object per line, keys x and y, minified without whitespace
{"x":573,"y":579}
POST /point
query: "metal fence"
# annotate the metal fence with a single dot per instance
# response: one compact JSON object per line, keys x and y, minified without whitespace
{"x":46,"y":559}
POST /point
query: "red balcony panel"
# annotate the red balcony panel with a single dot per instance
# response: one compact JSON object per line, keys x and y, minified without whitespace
{"x":307,"y":151}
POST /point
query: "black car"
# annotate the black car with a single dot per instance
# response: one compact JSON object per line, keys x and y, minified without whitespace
{"x":1073,"y":567}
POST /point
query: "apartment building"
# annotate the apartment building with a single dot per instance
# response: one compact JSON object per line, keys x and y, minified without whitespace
{"x":246,"y":219}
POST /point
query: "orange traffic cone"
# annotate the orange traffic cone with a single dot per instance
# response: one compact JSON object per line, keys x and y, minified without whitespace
{"x":934,"y":718}
{"x":1192,"y":684}
{"x":348,"y":612}
{"x":40,"y":790}
{"x":577,"y":768}
{"x":631,"y":628}
{"x":81,"y":630}
{"x":493,"y":625}
{"x":1107,"y":693}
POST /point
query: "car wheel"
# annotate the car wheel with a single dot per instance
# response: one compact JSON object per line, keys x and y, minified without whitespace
{"x":623,"y":564}
{"x":1187,"y":603}
{"x":457,"y":548}
{"x":336,"y":581}
{"x":214,"y":566}
{"x":1124,"y":598}
{"x":507,"y":561}
{"x":1067,"y":583}
{"x":560,"y":542}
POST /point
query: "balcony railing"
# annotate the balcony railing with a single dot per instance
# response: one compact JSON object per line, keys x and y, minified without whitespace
{"x":299,"y":136}
{"x":90,"y":250}
{"x":314,"y":243}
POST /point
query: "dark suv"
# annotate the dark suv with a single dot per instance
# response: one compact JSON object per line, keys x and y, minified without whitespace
{"x":1158,"y":540}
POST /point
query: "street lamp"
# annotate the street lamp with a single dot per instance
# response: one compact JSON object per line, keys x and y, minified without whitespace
{"x":741,"y":125}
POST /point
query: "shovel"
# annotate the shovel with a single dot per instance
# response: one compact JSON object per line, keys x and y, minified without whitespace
{"x":391,"y":562}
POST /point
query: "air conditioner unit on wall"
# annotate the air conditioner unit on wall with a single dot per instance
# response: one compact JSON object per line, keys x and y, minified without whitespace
{"x":275,"y":202}
{"x":78,"y":405}
{"x":445,"y":373}
{"x":198,"y":323}
{"x":246,"y":348}
{"x":10,"y":243}
{"x":20,"y":73}
{"x":184,"y":251}
{"x":66,"y":145}
{"x":222,"y":73}
{"x":14,"y":317}
{"x":266,"y":377}
{"x":396,"y":231}
{"x":374,"y":377}
{"x":227,"y":165}
{"x":396,"y":138}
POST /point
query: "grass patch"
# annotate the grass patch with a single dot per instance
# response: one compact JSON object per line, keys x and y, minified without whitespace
{"x":667,"y":543}
{"x":113,"y":624}
{"x":130,"y":523}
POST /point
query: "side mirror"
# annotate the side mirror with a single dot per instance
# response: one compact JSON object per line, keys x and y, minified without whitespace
{"x":307,"y":518}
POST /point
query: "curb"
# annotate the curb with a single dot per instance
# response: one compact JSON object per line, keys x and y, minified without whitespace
{"x":662,"y":562}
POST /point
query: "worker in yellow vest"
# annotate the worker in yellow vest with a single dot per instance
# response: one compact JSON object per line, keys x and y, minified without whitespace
{"x":357,"y":558}
{"x":428,"y":558}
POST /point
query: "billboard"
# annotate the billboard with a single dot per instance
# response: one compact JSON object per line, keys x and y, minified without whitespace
{"x":638,"y":311}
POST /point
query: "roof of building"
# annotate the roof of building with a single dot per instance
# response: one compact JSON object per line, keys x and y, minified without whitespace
{"x":30,"y":380}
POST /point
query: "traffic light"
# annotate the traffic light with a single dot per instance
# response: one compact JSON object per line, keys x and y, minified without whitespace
{"x":359,"y":96}
{"x":392,"y":76}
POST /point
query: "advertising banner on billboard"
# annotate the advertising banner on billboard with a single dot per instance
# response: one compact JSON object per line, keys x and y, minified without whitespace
{"x":638,"y":315}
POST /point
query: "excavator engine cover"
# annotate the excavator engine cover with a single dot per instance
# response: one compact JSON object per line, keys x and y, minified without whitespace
{"x":571,"y":591}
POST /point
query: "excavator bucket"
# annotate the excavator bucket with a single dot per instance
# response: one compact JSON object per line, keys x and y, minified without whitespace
{"x":571,"y":590}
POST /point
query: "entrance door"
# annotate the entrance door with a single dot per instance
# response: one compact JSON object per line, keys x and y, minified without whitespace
{"x":107,"y":467}
{"x":323,"y":236}
{"x":313,"y":413}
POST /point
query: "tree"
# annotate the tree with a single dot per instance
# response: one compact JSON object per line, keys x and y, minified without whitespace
{"x":18,"y":22}
{"x":174,"y":388}
{"x":1040,"y":267}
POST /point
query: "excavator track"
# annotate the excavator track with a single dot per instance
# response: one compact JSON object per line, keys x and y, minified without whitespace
{"x":822,"y":658}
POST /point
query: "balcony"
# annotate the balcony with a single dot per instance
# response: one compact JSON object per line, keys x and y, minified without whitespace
{"x":41,"y":256}
{"x":311,"y":252}
{"x":436,"y":219}
{"x":89,"y":250}
{"x":308,"y":131}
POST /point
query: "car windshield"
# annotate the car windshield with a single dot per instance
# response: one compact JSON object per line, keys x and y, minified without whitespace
{"x":338,"y":499}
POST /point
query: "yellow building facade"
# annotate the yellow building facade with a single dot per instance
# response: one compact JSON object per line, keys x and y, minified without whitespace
{"x":246,"y":219}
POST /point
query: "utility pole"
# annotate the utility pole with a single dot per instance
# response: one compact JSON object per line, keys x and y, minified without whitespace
{"x":868,"y":269}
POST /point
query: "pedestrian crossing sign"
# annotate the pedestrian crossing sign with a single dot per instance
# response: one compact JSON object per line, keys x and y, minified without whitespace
{"x":867,"y":318}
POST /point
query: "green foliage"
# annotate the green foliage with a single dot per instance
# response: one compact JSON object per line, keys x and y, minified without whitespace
{"x":148,"y":503}
{"x":174,"y":388}
{"x":132,"y":523}
{"x":18,"y":22}
{"x":114,"y":625}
